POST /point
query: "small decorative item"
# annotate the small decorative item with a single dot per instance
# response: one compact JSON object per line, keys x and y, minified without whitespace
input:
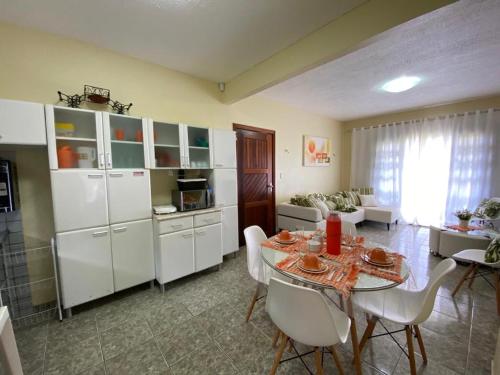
{"x":72,"y":101}
{"x":463,"y":217}
{"x":317,"y":151}
{"x":119,"y":107}
{"x":96,"y":95}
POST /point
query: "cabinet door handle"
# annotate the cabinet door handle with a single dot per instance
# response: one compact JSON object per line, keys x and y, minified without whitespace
{"x":219,"y":165}
{"x":121,"y":229}
{"x":175,"y":226}
{"x":201,"y":232}
{"x":100,"y":234}
{"x":116,"y":175}
{"x":187,"y":235}
{"x":101,"y":160}
{"x":108,"y":158}
{"x":94,"y":175}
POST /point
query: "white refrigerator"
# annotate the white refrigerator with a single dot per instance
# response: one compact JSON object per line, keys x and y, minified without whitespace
{"x":225,"y":187}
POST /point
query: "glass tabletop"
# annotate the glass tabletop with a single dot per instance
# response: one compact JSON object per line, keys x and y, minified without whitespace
{"x":365,"y":282}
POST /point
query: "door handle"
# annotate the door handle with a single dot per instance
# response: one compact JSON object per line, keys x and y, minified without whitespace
{"x":108,"y":158}
{"x":101,"y":160}
{"x":94,"y":175}
{"x":121,"y":229}
{"x":270,"y":186}
{"x":187,"y":235}
{"x":116,"y":175}
{"x":100,"y":234}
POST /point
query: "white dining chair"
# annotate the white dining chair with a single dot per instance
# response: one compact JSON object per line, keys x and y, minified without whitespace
{"x":304,"y":315}
{"x":406,"y":307}
{"x":476,"y":259}
{"x":254,"y":236}
{"x":349,"y":228}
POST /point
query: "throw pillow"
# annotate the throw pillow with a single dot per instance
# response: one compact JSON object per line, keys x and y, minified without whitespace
{"x":368,"y":201}
{"x":346,"y":207}
{"x":354,"y":197}
{"x":319,"y":204}
{"x":332,"y":206}
{"x":301,"y":200}
{"x":492,"y":254}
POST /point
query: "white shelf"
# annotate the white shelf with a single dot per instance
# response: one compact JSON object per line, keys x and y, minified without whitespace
{"x":127,"y":142}
{"x":168,"y":146}
{"x":76,"y":139}
{"x":199,"y":148}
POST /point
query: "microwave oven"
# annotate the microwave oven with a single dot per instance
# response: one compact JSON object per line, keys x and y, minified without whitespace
{"x":187,"y":200}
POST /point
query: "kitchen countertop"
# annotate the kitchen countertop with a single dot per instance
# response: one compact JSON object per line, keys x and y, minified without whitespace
{"x":176,"y":215}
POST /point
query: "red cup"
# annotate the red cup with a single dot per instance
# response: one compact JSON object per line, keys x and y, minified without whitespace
{"x":139,"y":136}
{"x":119,"y":134}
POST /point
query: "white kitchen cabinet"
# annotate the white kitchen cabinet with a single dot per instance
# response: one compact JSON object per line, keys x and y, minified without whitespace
{"x":132,"y":249}
{"x":22,"y":123}
{"x":175,"y":256}
{"x":224,"y":148}
{"x":197,"y":147}
{"x":74,"y":138}
{"x":125,"y":141}
{"x":129,"y":195}
{"x":79,"y":199}
{"x":207,"y":246}
{"x":85,"y":265}
{"x":179,"y":146}
{"x":230,"y":242}
{"x":166,"y":142}
{"x":225,"y":185}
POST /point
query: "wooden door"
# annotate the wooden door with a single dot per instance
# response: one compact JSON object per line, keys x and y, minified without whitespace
{"x":256,"y":197}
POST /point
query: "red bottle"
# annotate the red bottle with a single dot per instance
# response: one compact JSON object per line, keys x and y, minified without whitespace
{"x":333,"y":234}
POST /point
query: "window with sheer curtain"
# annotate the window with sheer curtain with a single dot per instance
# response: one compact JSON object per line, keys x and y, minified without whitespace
{"x":432,"y":167}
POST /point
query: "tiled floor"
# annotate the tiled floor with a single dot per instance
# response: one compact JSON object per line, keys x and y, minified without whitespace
{"x":197,"y":327}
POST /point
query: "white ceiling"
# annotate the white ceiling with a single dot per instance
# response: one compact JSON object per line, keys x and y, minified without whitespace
{"x":213,"y":39}
{"x":455,"y":50}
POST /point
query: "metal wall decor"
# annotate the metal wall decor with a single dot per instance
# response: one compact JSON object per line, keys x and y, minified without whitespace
{"x":96,"y":95}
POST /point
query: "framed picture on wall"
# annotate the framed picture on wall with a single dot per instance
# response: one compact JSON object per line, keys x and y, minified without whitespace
{"x":317,"y":151}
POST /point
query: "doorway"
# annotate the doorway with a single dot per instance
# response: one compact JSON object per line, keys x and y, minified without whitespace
{"x":255,"y":150}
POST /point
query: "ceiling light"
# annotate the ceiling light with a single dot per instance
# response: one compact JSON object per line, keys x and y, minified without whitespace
{"x":401,"y":84}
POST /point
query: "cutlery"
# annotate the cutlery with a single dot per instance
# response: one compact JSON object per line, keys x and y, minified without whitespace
{"x":330,"y":275}
{"x":340,"y":276}
{"x":291,"y":264}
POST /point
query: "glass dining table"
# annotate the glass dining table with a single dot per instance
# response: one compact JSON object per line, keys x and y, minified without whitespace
{"x":365,"y":283}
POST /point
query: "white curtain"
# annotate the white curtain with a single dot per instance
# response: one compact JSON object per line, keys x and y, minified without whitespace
{"x":432,"y":167}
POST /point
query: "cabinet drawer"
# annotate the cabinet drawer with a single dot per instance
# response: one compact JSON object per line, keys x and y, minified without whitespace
{"x":207,"y":219}
{"x":175,"y":225}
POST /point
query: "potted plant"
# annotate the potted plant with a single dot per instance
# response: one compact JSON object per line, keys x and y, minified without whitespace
{"x":463,"y":217}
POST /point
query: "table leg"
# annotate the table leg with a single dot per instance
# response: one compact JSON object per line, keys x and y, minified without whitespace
{"x":354,"y":337}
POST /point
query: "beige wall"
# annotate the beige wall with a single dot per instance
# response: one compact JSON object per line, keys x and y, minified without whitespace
{"x":35,"y":65}
{"x":459,"y":107}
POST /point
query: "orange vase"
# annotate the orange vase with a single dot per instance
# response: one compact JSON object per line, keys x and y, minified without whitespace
{"x":66,"y":157}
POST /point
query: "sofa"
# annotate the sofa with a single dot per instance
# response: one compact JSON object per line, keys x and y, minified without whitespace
{"x":291,"y":216}
{"x":446,"y":243}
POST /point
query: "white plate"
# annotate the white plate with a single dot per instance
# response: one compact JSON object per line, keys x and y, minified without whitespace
{"x":367,"y":259}
{"x":323,"y":268}
{"x":285,"y":242}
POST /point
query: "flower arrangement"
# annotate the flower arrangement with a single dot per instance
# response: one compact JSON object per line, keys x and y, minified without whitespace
{"x":463,"y":214}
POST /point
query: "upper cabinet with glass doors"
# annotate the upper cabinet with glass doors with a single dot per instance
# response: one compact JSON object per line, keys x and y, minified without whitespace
{"x":179,"y":146}
{"x":125,"y":141}
{"x":74,"y":138}
{"x":79,"y":138}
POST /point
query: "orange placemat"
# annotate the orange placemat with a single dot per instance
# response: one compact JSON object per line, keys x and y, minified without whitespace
{"x":343,"y":280}
{"x":296,"y":246}
{"x":462,"y":229}
{"x":353,"y":255}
